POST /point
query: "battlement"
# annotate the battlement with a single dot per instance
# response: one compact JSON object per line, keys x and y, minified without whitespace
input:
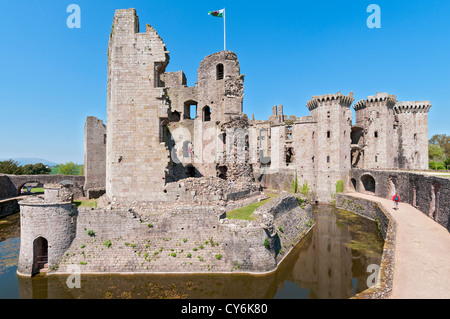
{"x":387,"y":98}
{"x":412,"y":107}
{"x":317,"y":100}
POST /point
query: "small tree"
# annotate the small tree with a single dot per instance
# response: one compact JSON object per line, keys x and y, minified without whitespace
{"x":67,"y":169}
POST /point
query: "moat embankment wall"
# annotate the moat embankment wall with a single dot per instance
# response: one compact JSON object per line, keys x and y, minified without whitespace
{"x":429,"y":194}
{"x":388,"y":228}
{"x":182,"y":240}
{"x":8,"y":207}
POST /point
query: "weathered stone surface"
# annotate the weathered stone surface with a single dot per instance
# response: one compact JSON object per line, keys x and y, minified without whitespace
{"x":94,"y":157}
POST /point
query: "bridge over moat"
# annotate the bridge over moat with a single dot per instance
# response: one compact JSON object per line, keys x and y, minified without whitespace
{"x":10,"y":185}
{"x":422,"y":252}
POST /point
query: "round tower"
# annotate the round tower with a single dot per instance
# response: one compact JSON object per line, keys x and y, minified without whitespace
{"x":47,"y":229}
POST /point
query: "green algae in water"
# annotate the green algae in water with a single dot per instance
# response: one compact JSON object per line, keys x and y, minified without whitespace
{"x":366,"y":238}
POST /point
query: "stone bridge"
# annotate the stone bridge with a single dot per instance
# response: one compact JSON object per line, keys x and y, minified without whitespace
{"x":10,"y":185}
{"x":427,"y":193}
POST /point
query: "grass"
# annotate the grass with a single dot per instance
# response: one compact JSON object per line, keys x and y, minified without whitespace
{"x":246,"y":212}
{"x":37,"y":190}
{"x":92,"y":203}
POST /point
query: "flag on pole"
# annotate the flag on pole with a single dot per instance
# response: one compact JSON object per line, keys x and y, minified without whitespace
{"x":218,"y":13}
{"x":221,"y":14}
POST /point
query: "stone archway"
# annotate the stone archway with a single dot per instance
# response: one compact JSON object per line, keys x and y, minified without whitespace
{"x":369,"y":183}
{"x":40,"y":255}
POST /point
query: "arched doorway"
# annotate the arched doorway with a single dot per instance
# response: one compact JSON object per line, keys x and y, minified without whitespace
{"x":368,"y":182}
{"x":40,"y":255}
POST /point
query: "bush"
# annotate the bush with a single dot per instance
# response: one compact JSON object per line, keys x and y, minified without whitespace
{"x":189,"y":255}
{"x":150,"y":225}
{"x":82,"y":246}
{"x":218,"y":256}
{"x":107,"y":243}
{"x":266,"y":243}
{"x":173,"y":255}
{"x":91,"y":233}
{"x":436,"y":165}
{"x":280,"y":229}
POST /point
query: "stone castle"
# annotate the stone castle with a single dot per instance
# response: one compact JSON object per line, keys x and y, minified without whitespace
{"x":160,"y":131}
{"x":173,"y":160}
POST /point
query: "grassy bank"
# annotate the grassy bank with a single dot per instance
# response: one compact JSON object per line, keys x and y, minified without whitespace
{"x":246,"y":212}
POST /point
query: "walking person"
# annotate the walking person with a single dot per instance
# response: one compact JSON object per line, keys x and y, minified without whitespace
{"x":396,"y":200}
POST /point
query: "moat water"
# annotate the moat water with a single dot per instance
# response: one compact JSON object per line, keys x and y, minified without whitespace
{"x":331,"y":262}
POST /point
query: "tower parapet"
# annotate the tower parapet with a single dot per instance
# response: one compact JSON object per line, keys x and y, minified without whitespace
{"x":317,"y":100}
{"x":412,"y":107}
{"x":376,"y":100}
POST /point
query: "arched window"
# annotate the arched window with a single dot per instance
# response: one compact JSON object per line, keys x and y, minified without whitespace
{"x":219,"y":71}
{"x":206,"y":114}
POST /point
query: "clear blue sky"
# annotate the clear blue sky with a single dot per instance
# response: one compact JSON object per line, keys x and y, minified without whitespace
{"x":52,"y":77}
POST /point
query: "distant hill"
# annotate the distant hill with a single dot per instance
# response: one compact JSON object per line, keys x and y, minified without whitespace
{"x":26,"y":161}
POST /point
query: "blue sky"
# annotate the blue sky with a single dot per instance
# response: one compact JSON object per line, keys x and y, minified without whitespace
{"x":52,"y":77}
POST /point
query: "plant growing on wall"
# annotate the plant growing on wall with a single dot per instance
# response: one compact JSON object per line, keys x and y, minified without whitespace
{"x":304,"y":189}
{"x":295,"y":184}
{"x":339,"y":186}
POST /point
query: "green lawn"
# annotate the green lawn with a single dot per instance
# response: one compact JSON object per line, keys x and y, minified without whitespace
{"x":246,"y":212}
{"x":37,"y":190}
{"x":92,"y":203}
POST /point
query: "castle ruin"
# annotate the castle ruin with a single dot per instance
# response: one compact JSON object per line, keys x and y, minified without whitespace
{"x":172,"y":160}
{"x":161,"y":132}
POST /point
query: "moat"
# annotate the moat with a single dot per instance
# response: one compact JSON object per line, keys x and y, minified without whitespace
{"x":330,"y":262}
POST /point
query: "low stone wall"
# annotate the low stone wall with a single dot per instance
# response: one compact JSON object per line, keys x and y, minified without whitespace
{"x":185,"y":240}
{"x":388,"y":229}
{"x":281,"y":179}
{"x":8,"y":207}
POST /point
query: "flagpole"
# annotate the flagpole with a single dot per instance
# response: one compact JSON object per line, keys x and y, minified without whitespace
{"x":224,"y":32}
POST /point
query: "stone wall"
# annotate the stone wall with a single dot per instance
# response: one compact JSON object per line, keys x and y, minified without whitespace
{"x":8,"y":207}
{"x":429,"y":194}
{"x":7,"y":188}
{"x":185,"y":239}
{"x":94,"y":157}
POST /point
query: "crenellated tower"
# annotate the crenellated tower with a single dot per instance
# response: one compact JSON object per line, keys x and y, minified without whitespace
{"x":411,"y":118}
{"x":332,"y":137}
{"x":375,"y":125}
